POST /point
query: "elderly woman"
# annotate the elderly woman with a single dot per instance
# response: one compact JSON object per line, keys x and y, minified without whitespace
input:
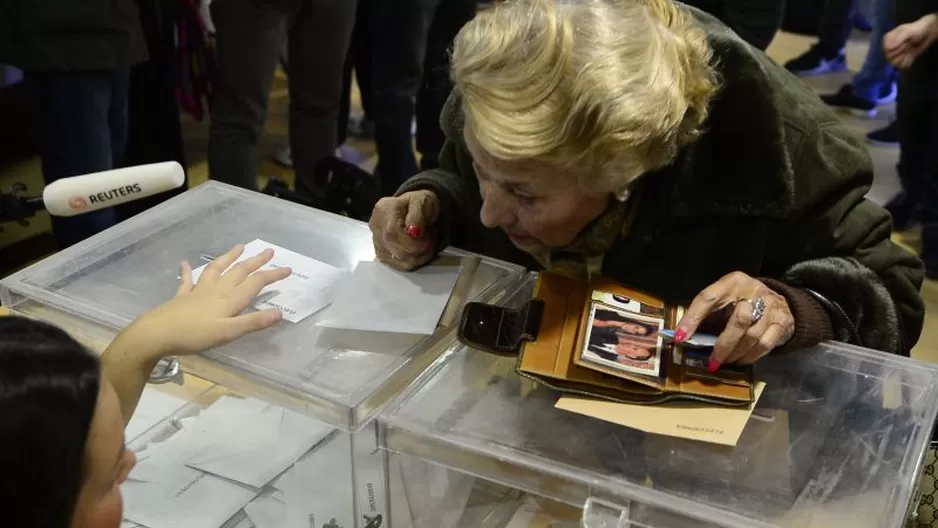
{"x":643,"y":140}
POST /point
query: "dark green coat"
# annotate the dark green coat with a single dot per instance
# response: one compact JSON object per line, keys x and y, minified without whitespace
{"x":70,"y":35}
{"x":775,"y":188}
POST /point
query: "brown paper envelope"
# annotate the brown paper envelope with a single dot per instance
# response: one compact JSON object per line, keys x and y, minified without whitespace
{"x":693,"y":421}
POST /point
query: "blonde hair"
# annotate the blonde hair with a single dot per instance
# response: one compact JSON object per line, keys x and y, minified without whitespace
{"x":616,"y":86}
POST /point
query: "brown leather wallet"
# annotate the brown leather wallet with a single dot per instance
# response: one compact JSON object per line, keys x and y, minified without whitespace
{"x":599,"y":339}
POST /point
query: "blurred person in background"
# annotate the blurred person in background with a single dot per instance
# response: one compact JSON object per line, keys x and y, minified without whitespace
{"x":411,"y":76}
{"x":76,"y":56}
{"x":827,"y":55}
{"x":910,"y":46}
{"x":250,"y":36}
{"x":876,"y":83}
{"x":756,"y":21}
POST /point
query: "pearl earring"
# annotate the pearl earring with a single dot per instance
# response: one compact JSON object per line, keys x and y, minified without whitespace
{"x":623,"y":194}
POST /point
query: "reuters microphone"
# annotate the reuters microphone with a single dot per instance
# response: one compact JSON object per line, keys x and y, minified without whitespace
{"x":90,"y":192}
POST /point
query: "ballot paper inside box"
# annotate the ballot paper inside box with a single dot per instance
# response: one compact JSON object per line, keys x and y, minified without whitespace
{"x":226,"y":460}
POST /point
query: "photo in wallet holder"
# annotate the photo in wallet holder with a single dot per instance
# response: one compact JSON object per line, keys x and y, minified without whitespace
{"x":623,"y":340}
{"x":627,"y":303}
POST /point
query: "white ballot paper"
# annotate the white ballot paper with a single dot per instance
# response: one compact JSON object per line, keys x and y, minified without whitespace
{"x":216,"y":463}
{"x":306,"y":291}
{"x":259,"y":449}
{"x":267,"y":511}
{"x":377,"y":298}
{"x":154,"y":406}
{"x":316,"y":490}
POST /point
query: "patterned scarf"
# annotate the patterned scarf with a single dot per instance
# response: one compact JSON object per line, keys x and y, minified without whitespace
{"x":583,"y":257}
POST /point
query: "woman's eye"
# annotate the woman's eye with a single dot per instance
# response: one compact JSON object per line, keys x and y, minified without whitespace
{"x":525,"y":200}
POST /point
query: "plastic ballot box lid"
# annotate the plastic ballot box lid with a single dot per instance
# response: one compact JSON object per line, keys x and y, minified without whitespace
{"x":837,"y":440}
{"x":342,"y":377}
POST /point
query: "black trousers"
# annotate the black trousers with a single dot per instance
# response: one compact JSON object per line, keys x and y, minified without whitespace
{"x":756,"y":21}
{"x":250,"y":36}
{"x":411,"y":76}
{"x":835,"y":26}
{"x":154,"y":126}
{"x":360,"y":62}
{"x":918,"y":137}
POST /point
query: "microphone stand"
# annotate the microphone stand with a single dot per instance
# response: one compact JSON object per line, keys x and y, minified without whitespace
{"x":17,"y":208}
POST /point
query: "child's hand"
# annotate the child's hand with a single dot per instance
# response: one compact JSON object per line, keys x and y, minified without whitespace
{"x":208,"y":315}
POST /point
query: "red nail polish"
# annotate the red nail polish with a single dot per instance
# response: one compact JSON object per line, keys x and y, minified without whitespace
{"x":713,"y":366}
{"x":414,"y":231}
{"x":680,"y":335}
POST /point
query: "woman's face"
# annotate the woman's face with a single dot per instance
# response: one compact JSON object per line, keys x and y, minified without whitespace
{"x":537,"y":207}
{"x":107,"y":463}
{"x":635,"y":329}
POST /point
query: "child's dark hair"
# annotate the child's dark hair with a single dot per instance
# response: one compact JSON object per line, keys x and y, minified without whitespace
{"x":48,"y":393}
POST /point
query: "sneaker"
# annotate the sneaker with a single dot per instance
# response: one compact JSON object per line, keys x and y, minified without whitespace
{"x":813,"y":62}
{"x":846,"y":99}
{"x":284,"y":156}
{"x":361,"y":127}
{"x":885,"y":137}
{"x":887,"y":94}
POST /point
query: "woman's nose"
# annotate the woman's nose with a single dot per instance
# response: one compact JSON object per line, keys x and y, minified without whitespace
{"x":496,"y":210}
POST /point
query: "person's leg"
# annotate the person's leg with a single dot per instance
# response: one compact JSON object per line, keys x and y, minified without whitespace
{"x":319,"y":38}
{"x":399,"y":51}
{"x":362,"y":49}
{"x":835,"y":27}
{"x":918,"y":158}
{"x":249,"y":38}
{"x":827,"y":56}
{"x":756,"y":21}
{"x":154,"y":125}
{"x":450,"y":17}
{"x":876,"y":80}
{"x":76,"y":136}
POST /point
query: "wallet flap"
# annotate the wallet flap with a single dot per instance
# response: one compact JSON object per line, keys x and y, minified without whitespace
{"x":500,"y":330}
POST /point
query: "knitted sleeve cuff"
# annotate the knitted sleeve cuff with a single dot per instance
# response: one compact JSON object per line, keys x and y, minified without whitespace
{"x":812,"y":322}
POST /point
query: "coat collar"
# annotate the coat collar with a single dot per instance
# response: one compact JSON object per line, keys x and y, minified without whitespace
{"x":741,"y":165}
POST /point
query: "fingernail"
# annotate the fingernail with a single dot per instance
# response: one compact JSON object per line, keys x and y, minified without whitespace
{"x":680,"y":335}
{"x":414,"y":231}
{"x":713,"y":366}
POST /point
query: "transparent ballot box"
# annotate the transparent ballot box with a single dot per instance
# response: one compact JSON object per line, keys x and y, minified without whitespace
{"x":836,"y":440}
{"x":310,"y":373}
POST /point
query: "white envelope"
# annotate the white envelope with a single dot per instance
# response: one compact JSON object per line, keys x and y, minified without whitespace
{"x":318,"y":488}
{"x":193,"y":500}
{"x":153,"y":407}
{"x":377,"y":298}
{"x":267,"y":511}
{"x":256,"y":450}
{"x":308,"y":290}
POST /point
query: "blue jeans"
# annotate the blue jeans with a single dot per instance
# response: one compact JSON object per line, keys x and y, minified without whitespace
{"x":877,"y":76}
{"x":83,"y":123}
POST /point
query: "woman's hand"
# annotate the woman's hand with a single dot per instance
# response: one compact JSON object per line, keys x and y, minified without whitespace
{"x":906,"y":42}
{"x":401,"y":228}
{"x":208,"y":315}
{"x":760,"y":321}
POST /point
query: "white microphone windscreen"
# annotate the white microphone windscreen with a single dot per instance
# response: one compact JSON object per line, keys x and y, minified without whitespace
{"x":90,"y":192}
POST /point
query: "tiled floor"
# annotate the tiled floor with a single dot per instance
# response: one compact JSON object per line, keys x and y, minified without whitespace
{"x":784,"y":47}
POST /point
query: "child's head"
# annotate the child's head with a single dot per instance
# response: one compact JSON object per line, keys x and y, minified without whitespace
{"x":62,"y":453}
